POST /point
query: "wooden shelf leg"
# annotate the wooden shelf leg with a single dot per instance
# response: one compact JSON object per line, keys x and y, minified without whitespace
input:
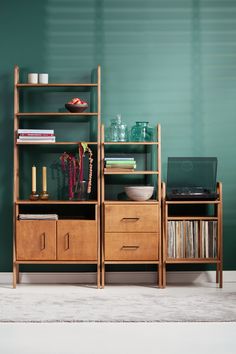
{"x":14,"y":275}
{"x":217,"y":273}
{"x":103,"y":275}
{"x":221,"y":275}
{"x":164,"y":275}
{"x":160,"y":275}
{"x":17,"y":273}
{"x":98,"y":275}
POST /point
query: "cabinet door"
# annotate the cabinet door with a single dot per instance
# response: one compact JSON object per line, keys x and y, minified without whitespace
{"x":131,"y":246}
{"x":131,"y":218}
{"x":35,"y":240}
{"x":77,"y":240}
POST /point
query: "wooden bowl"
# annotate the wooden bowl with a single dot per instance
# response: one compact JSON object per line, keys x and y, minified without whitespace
{"x":139,"y":193}
{"x":75,"y":108}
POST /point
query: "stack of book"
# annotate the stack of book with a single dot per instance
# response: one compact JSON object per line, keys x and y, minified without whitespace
{"x":36,"y":135}
{"x":120,"y":164}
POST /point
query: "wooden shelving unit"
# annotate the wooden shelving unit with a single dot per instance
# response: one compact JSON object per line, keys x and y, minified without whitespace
{"x":217,"y":217}
{"x":131,"y":230}
{"x":68,"y":240}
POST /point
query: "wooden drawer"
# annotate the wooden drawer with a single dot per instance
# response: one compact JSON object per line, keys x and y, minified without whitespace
{"x":131,"y":218}
{"x":35,"y":240}
{"x":77,"y":240}
{"x":131,"y":247}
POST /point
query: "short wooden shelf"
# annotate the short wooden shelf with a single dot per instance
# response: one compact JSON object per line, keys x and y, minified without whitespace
{"x":176,"y":202}
{"x":131,"y":262}
{"x":131,"y":173}
{"x":192,"y":218}
{"x":57,"y":85}
{"x":145,"y":202}
{"x":26,"y":201}
{"x":192,"y":260}
{"x":132,"y":143}
{"x":56,"y":143}
{"x":56,"y":114}
{"x":56,"y":262}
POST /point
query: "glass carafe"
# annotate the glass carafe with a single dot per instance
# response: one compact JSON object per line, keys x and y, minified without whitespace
{"x":141,"y":132}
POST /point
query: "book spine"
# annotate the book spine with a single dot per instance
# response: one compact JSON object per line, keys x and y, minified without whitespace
{"x":119,"y":159}
{"x":108,"y":162}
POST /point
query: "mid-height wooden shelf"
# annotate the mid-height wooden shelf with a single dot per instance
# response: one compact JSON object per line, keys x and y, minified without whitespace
{"x":192,"y":260}
{"x":56,"y":114}
{"x":176,"y":202}
{"x":131,"y":202}
{"x":58,"y":85}
{"x":132,"y":143}
{"x":21,"y":202}
{"x":192,"y":218}
{"x":131,"y":173}
{"x":57,"y":143}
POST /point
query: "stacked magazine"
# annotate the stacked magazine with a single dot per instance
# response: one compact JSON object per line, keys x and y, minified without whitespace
{"x":120,"y":164}
{"x":38,"y":217}
{"x":36,"y":135}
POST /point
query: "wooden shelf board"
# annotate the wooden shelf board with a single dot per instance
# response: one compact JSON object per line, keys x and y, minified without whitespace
{"x":132,"y":143}
{"x":132,"y":173}
{"x":144,"y":202}
{"x":56,"y":262}
{"x":192,"y":218}
{"x":191,"y":260}
{"x":46,"y":114}
{"x":20,"y":202}
{"x":131,"y":262}
{"x":58,"y":85}
{"x":57,"y":143}
{"x":192,"y":202}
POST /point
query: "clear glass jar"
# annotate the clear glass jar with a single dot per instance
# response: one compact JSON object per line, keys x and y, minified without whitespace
{"x":141,"y":131}
{"x":118,"y":130}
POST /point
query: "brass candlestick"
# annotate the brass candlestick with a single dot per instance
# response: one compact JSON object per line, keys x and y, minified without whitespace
{"x":34,"y":195}
{"x":44,"y":195}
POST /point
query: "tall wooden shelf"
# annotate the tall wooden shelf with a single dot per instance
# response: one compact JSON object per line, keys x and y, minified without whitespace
{"x":71,"y":239}
{"x":131,"y":230}
{"x":167,"y":216}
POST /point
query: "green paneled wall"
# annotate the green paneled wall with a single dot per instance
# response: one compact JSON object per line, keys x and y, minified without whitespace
{"x":167,"y":61}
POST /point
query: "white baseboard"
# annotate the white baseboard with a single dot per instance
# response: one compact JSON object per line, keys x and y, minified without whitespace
{"x":117,"y":277}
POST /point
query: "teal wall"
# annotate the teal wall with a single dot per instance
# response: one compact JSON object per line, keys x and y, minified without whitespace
{"x":166,"y":61}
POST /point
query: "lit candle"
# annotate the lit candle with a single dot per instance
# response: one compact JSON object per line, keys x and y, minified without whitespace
{"x":44,"y":179}
{"x":33,"y":179}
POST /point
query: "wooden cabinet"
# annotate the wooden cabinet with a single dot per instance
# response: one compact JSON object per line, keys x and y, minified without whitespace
{"x":73,"y":237}
{"x":131,"y":230}
{"x":77,"y":240}
{"x":36,"y":240}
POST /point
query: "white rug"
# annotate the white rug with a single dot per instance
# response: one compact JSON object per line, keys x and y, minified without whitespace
{"x":67,"y":303}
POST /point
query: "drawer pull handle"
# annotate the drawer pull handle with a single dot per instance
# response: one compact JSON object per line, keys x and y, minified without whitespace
{"x":42,"y":241}
{"x":130,"y":248}
{"x":130,"y":219}
{"x":67,"y":241}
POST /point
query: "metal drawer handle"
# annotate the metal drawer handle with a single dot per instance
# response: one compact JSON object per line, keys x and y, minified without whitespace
{"x":130,"y":248}
{"x":67,"y":241}
{"x":42,"y":241}
{"x":130,"y":219}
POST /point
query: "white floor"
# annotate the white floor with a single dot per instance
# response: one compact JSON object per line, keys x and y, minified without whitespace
{"x":112,"y":338}
{"x":119,"y":338}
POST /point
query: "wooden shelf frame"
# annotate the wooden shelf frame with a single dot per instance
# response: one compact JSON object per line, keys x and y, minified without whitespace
{"x":156,"y":201}
{"x":218,"y":261}
{"x":17,"y":202}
